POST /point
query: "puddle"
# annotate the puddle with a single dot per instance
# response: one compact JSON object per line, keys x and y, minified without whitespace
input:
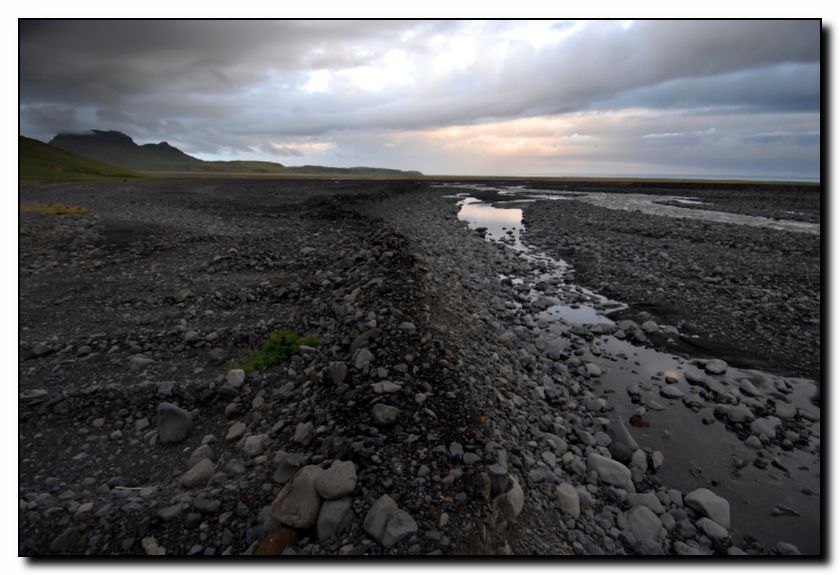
{"x":699,"y":449}
{"x":501,"y":224}
{"x":657,"y":205}
{"x":575,"y":315}
{"x":504,"y":224}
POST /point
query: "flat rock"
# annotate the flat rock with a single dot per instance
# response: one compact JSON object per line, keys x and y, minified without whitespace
{"x":716,"y":366}
{"x":378,"y":516}
{"x":709,"y":505}
{"x":747,"y":388}
{"x":399,"y":526}
{"x":298,"y":504}
{"x":713,"y":529}
{"x":337,"y":481}
{"x":385,"y":387}
{"x":608,"y":470}
{"x":174,"y":423}
{"x":593,"y":370}
{"x":671,"y":391}
{"x":199,"y":474}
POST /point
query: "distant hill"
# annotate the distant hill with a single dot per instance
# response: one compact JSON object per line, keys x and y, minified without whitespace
{"x":120,"y":150}
{"x":40,"y":162}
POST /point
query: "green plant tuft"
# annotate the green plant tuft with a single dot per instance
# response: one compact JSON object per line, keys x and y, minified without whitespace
{"x":279,"y":347}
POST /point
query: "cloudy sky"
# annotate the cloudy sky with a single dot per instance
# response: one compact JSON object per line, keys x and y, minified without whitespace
{"x":704,"y":98}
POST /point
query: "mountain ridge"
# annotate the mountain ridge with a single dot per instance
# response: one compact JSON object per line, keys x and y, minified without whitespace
{"x":119,"y":149}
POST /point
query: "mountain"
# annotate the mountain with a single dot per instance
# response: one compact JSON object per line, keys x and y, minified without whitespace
{"x":40,"y":162}
{"x":120,"y":150}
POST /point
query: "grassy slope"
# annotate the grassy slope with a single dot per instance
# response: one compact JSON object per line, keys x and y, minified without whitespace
{"x":40,"y":162}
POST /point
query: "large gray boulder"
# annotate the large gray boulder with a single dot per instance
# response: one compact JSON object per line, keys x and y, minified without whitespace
{"x":337,"y":481}
{"x":298,"y":504}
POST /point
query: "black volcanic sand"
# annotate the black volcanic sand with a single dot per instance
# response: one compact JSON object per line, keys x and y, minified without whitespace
{"x":751,"y":294}
{"x":505,"y":429}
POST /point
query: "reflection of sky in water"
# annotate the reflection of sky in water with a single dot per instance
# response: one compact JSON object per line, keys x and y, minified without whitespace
{"x":583,"y":314}
{"x":498,"y":221}
{"x":653,"y":205}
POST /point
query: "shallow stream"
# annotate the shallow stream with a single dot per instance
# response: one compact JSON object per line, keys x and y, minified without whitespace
{"x":772,"y":503}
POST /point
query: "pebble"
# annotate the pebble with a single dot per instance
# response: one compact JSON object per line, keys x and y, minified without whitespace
{"x":713,"y":529}
{"x":255,"y":444}
{"x":710,"y":505}
{"x":642,"y":523}
{"x":174,"y":423}
{"x":568,"y":500}
{"x":716,"y":367}
{"x":199,"y":474}
{"x":399,"y":526}
{"x":287,"y":465}
{"x":765,"y":426}
{"x":64,"y":540}
{"x":384,"y":414}
{"x":151,"y":546}
{"x":235,"y":378}
{"x":378,"y":516}
{"x":671,"y":391}
{"x":203,"y":451}
{"x":333,"y":518}
{"x":739,"y":414}
{"x":510,"y":503}
{"x":303,"y":433}
{"x":235,"y":431}
{"x":608,"y":470}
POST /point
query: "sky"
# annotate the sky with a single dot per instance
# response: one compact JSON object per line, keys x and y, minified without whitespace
{"x":501,"y":97}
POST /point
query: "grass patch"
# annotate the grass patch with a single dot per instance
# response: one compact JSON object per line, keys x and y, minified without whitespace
{"x":40,"y":163}
{"x":54,"y":209}
{"x":279,"y":347}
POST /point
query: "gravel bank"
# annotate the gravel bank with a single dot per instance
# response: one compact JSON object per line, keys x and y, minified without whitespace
{"x":438,"y":414}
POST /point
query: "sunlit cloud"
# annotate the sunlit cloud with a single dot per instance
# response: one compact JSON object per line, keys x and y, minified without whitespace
{"x":505,"y":97}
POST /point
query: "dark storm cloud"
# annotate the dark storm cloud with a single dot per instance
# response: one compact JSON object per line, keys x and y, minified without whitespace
{"x":240,"y":86}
